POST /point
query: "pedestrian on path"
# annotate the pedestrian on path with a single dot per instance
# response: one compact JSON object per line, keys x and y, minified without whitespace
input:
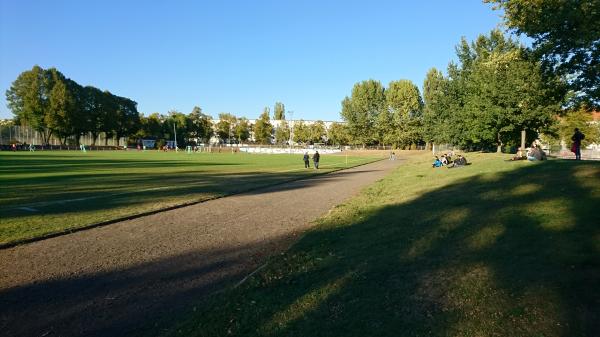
{"x":306,"y":160}
{"x":316,"y":158}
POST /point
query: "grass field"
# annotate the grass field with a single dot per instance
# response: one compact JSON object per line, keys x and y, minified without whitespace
{"x":53,"y":191}
{"x":496,"y":248}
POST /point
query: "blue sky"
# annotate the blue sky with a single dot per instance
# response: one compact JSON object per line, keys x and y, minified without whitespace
{"x":235,"y":56}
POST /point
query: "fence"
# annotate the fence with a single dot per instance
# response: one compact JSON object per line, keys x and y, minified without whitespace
{"x":27,"y":135}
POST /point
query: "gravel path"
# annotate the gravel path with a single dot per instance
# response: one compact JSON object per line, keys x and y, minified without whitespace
{"x":114,"y":280}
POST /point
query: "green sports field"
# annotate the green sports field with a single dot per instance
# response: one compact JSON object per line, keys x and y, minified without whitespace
{"x":47,"y":192}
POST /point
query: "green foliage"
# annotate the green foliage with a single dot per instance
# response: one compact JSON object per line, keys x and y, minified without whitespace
{"x":282,"y":133}
{"x":53,"y":104}
{"x":405,"y":104}
{"x":338,"y":134}
{"x":436,"y":109}
{"x":301,"y":132}
{"x":242,"y":129}
{"x":226,"y":126}
{"x":317,"y":132}
{"x":566,"y":38}
{"x":279,"y":111}
{"x":496,"y":91}
{"x":201,"y":125}
{"x":361,"y":110}
{"x":581,"y":119}
{"x":263,"y":129}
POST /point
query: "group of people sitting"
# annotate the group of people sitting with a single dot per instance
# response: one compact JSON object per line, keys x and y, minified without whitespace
{"x":446,"y":160}
{"x":533,"y":153}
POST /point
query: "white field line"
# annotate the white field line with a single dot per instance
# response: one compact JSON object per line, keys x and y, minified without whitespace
{"x":30,"y":207}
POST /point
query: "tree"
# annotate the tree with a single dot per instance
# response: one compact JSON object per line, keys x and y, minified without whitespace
{"x":29,"y":99}
{"x":566,"y":37}
{"x":404,"y":102}
{"x":93,"y":108}
{"x":361,"y":109}
{"x":282,"y":133}
{"x":61,"y":112}
{"x":317,"y":132}
{"x":338,"y":134}
{"x":201,"y":125}
{"x":225,"y":126}
{"x":436,"y":107}
{"x":301,"y":132}
{"x":110,"y":115}
{"x":128,"y":118}
{"x":263,"y":128}
{"x":279,"y":111}
{"x":242,"y":129}
{"x":581,"y":119}
{"x":496,"y":91}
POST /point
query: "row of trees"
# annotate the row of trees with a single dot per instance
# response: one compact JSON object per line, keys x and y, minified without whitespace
{"x":197,"y":126}
{"x":57,"y":106}
{"x":496,"y":89}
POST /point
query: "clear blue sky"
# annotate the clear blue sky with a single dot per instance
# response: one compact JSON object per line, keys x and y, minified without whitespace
{"x":235,"y":56}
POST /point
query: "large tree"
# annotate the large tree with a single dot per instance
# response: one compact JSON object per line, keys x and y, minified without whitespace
{"x":201,"y":125}
{"x":242,"y":129}
{"x":317,"y":132}
{"x":361,"y":109}
{"x":405,"y":104}
{"x":436,"y":108}
{"x":499,"y":90}
{"x":263,"y":128}
{"x":226,"y":126}
{"x":29,"y":100}
{"x":566,"y":37}
{"x":301,"y":132}
{"x":338,"y":134}
{"x":61,"y":114}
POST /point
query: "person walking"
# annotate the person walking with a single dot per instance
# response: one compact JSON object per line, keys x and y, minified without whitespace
{"x":316,"y":158}
{"x":578,"y":136}
{"x":306,"y":159}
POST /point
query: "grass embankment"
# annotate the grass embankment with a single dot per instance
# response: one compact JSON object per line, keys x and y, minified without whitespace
{"x":493,"y":249}
{"x":53,"y":191}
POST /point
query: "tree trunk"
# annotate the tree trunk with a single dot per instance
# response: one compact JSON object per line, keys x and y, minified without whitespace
{"x":499,"y":148}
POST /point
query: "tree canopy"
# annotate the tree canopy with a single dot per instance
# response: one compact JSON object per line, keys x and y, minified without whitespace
{"x":566,"y":37}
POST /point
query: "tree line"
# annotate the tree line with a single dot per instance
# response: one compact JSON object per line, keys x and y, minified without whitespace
{"x":55,"y":105}
{"x":197,"y":127}
{"x":496,"y":89}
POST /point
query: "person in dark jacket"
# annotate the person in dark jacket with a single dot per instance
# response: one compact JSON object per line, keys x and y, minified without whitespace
{"x":306,"y":159}
{"x":316,"y":158}
{"x":577,"y":138}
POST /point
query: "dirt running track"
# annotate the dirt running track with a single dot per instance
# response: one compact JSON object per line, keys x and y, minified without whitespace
{"x":134,"y":275}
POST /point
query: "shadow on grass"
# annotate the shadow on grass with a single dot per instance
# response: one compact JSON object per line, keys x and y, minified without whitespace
{"x":516,"y":254}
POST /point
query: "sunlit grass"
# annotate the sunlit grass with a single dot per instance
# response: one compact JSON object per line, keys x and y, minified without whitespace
{"x":53,"y":191}
{"x":497,"y":248}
